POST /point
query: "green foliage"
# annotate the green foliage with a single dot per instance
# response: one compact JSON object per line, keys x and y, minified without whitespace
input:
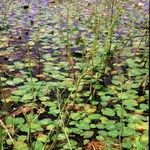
{"x":38,"y":145}
{"x":18,"y":145}
{"x":108,"y":112}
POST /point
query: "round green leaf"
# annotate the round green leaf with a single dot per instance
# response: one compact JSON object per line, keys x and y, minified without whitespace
{"x":9,"y":82}
{"x":108,"y":112}
{"x":19,"y":92}
{"x":18,"y":80}
{"x":20,"y":145}
{"x":113,"y":133}
{"x":38,"y":145}
{"x":130,"y":103}
{"x":94,"y":116}
{"x":61,"y":136}
{"x":83,"y":125}
{"x":87,"y":134}
{"x":75,"y":116}
{"x":45,"y":122}
{"x":19,"y":120}
{"x":42,"y":138}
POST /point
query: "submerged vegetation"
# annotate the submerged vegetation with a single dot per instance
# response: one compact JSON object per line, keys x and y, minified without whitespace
{"x":74,"y":75}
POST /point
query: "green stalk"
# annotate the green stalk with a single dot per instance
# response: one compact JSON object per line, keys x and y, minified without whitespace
{"x":29,"y":136}
{"x":62,"y":119}
{"x":108,"y":42}
{"x":121,"y":128}
{"x":30,"y":66}
{"x":28,"y":48}
{"x":31,"y":77}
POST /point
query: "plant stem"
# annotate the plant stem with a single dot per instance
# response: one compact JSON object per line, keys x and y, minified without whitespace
{"x":3,"y":125}
{"x":62,"y":119}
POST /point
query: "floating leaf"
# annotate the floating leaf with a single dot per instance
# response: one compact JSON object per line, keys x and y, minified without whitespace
{"x":47,"y":57}
{"x":120,"y":111}
{"x":128,"y":131}
{"x":3,"y":79}
{"x":103,"y":133}
{"x":116,"y":80}
{"x":18,"y":65}
{"x":18,"y":80}
{"x":42,"y":137}
{"x":141,"y":99}
{"x":27,"y":97}
{"x":127,"y":144}
{"x":36,"y":127}
{"x":100,"y":138}
{"x":113,"y":133}
{"x":131,"y":63}
{"x":76,"y":130}
{"x":50,"y":127}
{"x":108,"y":112}
{"x":144,"y":107}
{"x":83,"y":125}
{"x":19,"y":92}
{"x":22,"y":138}
{"x":38,"y":145}
{"x":88,"y":120}
{"x":10,"y":120}
{"x":45,"y":122}
{"x":104,"y":120}
{"x":100,"y":126}
{"x":85,"y":142}
{"x":94,"y":116}
{"x":44,"y":98}
{"x":19,"y":120}
{"x":105,"y":98}
{"x":73,"y":145}
{"x":9,"y":82}
{"x":87,"y":134}
{"x":89,"y":108}
{"x":61,"y":136}
{"x":144,"y":138}
{"x":20,"y":145}
{"x":54,"y":111}
{"x":123,"y":95}
{"x":130,"y":103}
{"x":75,"y":116}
